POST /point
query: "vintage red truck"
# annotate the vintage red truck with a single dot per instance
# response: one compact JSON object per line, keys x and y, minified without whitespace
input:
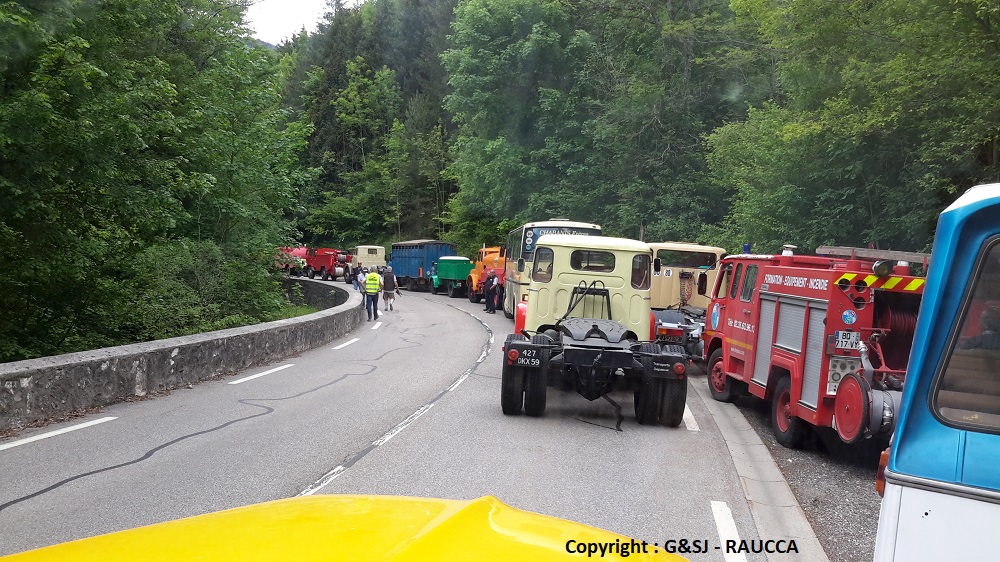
{"x":792,"y":329}
{"x":328,"y":263}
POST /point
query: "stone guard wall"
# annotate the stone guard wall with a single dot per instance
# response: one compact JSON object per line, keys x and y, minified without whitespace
{"x":51,"y":387}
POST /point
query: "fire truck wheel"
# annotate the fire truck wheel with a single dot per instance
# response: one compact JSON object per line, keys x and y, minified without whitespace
{"x":788,"y":429}
{"x":511,"y":384}
{"x":474,"y":297}
{"x":311,"y":272}
{"x":648,"y":396}
{"x":326,"y":276}
{"x":719,"y":382}
{"x":672,"y":402}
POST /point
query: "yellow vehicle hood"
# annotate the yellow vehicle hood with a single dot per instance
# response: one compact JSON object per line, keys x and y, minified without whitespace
{"x":347,"y":528}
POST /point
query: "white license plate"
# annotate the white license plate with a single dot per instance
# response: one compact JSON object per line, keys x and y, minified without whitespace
{"x":528,"y":362}
{"x":847,"y":340}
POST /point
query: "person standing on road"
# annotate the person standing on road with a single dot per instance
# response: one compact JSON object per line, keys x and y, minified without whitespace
{"x":373,"y":284}
{"x":491,"y":293}
{"x":390,"y":287}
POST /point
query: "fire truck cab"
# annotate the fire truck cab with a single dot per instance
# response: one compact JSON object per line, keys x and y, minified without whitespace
{"x":825,"y":339}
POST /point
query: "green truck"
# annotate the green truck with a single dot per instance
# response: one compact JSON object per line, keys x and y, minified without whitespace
{"x":450,"y":275}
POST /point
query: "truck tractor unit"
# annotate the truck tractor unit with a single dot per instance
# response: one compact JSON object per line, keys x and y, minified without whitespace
{"x":414,"y":262}
{"x":365,"y":257}
{"x":679,"y":269}
{"x":450,"y":275}
{"x":586,"y":326}
{"x":328,"y":263}
{"x":490,"y":259}
{"x":801,"y":331}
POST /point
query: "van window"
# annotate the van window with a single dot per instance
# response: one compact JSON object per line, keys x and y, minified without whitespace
{"x":749,"y":280}
{"x":736,"y":281}
{"x":640,"y":271}
{"x":687,"y":258}
{"x":967,"y":392}
{"x":372,"y":251}
{"x":542,"y":271}
{"x":592,"y":260}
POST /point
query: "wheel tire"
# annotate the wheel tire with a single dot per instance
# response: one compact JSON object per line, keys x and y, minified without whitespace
{"x":453,"y":291}
{"x":672,"y":402}
{"x":719,"y":383}
{"x":788,"y":430}
{"x":512,"y":304}
{"x":311,"y":272}
{"x":511,"y":384}
{"x":474,"y":297}
{"x":434,"y":289}
{"x":537,"y":382}
{"x":411,"y":285}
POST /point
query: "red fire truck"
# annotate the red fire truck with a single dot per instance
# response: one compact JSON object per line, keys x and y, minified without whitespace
{"x":328,"y":263}
{"x":800,"y":331}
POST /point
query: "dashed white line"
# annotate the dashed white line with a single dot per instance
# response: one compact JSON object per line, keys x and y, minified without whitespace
{"x":689,"y":422}
{"x":377,"y":324}
{"x":258,"y":375}
{"x":727,"y":529}
{"x":41,"y":436}
{"x":347,"y":343}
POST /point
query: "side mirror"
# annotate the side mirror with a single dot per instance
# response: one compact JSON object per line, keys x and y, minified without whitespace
{"x":657,"y":265}
{"x":702,"y":283}
{"x":520,"y":265}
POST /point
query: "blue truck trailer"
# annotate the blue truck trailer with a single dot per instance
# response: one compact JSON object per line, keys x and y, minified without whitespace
{"x":414,"y":262}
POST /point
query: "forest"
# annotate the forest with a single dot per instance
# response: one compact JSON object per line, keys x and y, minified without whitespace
{"x":153,"y":155}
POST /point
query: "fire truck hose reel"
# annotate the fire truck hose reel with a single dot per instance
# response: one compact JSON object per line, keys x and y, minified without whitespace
{"x":853,"y":408}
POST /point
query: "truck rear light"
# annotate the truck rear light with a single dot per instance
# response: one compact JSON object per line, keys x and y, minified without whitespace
{"x":883,"y":461}
{"x":512,"y":356}
{"x":679,"y":368}
{"x":664,"y":331}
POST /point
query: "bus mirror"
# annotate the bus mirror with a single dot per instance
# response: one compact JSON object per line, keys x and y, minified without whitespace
{"x":657,"y":265}
{"x":702,"y":283}
{"x":520,"y":265}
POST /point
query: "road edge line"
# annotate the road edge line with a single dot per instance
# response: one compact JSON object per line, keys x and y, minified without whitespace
{"x":775,"y":510}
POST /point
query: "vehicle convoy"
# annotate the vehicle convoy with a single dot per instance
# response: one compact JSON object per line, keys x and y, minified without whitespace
{"x":366,"y":257}
{"x":520,"y":249}
{"x":450,"y":275}
{"x":490,"y":259}
{"x":941,"y":484}
{"x":796,"y":330}
{"x":586,"y":325}
{"x":344,"y":528}
{"x":328,"y":263}
{"x":414,"y":262}
{"x":679,"y":268}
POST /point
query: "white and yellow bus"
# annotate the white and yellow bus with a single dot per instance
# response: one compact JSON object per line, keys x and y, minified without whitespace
{"x":520,"y":250}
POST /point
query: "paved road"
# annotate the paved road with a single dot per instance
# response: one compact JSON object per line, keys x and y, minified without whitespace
{"x":410,"y":407}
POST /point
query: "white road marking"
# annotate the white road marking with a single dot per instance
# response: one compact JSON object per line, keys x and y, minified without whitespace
{"x":460,"y":380}
{"x":689,"y":422}
{"x":333,"y":474}
{"x":377,"y":324}
{"x":727,"y":529}
{"x":347,"y":343}
{"x":41,"y":436}
{"x":258,"y":375}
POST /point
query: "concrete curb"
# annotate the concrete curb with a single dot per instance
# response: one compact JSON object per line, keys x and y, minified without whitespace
{"x":53,"y":387}
{"x":776,"y":512}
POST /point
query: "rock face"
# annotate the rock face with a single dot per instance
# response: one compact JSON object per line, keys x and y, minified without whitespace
{"x":49,"y":387}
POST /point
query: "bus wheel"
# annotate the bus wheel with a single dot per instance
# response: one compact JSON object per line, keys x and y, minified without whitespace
{"x":788,"y":430}
{"x":509,"y":314}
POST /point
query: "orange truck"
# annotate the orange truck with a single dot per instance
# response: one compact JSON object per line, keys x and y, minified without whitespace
{"x":489,"y":260}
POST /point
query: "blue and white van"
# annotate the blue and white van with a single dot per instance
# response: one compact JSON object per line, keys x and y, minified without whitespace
{"x":941,"y":496}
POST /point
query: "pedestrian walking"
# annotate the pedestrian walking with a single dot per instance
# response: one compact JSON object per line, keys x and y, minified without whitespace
{"x":354,"y":278}
{"x":373,"y":284}
{"x":389,"y":287}
{"x":491,"y":293}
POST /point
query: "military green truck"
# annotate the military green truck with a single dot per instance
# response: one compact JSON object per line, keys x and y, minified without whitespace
{"x":450,"y":275}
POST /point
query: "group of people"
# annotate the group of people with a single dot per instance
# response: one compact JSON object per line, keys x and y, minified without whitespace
{"x":373,"y":282}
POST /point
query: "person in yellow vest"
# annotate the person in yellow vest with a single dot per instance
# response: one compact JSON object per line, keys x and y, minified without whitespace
{"x":373,"y":286}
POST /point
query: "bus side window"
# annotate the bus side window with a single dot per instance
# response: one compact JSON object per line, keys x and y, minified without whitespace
{"x":734,"y":289}
{"x":967,"y":392}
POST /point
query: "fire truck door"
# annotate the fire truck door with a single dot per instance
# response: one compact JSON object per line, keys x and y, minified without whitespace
{"x":741,"y":323}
